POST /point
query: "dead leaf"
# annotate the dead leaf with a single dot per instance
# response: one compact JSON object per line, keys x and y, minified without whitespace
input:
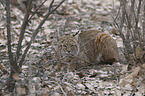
{"x":141,"y":72}
{"x":80,"y":86}
{"x":94,"y":75}
{"x":1,"y":37}
{"x":125,"y":81}
{"x":143,"y":65}
{"x":139,"y":53}
{"x":20,"y":91}
{"x":124,"y":69}
{"x":133,"y":84}
{"x":1,"y":66}
{"x":81,"y":75}
{"x":16,"y":76}
{"x":134,"y":73}
{"x":99,"y":18}
{"x":114,"y":31}
{"x":128,"y":86}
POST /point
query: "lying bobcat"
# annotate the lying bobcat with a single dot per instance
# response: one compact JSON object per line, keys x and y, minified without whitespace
{"x":97,"y":46}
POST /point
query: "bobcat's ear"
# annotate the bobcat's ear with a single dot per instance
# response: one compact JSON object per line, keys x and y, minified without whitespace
{"x":76,"y":33}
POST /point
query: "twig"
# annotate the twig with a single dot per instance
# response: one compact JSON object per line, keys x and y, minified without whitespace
{"x":4,"y":8}
{"x":36,"y":10}
{"x":2,"y":58}
{"x":2,"y":2}
{"x":144,"y":28}
{"x":137,"y":86}
{"x":50,"y":6}
{"x":132,"y":9}
{"x":114,"y":19}
{"x":60,"y":88}
{"x":121,"y":24}
{"x":23,"y":27}
{"x":8,"y":16}
{"x":137,"y":21}
{"x":58,"y":85}
{"x":138,"y":11}
{"x":126,"y":41}
{"x":36,"y":32}
{"x":67,"y":71}
{"x":13,"y":64}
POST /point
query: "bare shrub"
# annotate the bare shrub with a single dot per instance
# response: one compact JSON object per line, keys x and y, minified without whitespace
{"x":131,"y":28}
{"x":16,"y":59}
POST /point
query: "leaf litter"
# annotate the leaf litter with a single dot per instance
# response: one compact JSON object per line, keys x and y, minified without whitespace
{"x":102,"y":80}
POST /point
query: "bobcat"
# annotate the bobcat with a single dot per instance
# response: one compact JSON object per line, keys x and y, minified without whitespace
{"x":97,"y":46}
{"x":67,"y":48}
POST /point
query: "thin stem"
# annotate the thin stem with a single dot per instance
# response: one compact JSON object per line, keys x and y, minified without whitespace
{"x":23,"y":27}
{"x":144,"y":28}
{"x":50,"y":6}
{"x":36,"y":32}
{"x":36,"y":10}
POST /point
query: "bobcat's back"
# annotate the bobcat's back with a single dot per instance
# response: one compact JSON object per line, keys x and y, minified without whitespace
{"x":107,"y":47}
{"x":97,"y":46}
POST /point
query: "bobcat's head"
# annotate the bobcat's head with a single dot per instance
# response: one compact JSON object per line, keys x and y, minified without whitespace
{"x":67,"y":47}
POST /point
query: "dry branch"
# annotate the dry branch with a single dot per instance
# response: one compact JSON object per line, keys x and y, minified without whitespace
{"x":14,"y":61}
{"x":130,"y":16}
{"x":13,"y":64}
{"x":143,"y":27}
{"x":36,"y":10}
{"x":23,"y":27}
{"x":37,"y":30}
